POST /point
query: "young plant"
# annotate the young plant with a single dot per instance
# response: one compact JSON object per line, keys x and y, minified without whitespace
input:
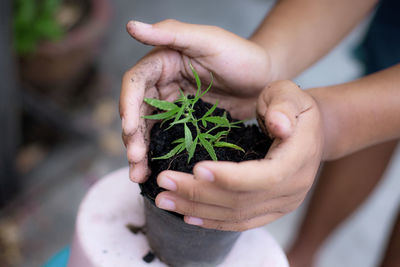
{"x":35,"y":21}
{"x":181,"y":111}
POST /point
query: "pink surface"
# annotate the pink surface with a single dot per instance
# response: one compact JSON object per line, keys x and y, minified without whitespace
{"x":103,"y":240}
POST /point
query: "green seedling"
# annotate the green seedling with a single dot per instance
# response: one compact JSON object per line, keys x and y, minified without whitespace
{"x":35,"y":21}
{"x":181,"y":111}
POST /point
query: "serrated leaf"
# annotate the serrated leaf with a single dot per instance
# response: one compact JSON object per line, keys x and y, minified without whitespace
{"x":161,"y":104}
{"x":211,"y":110}
{"x":204,"y":123}
{"x":161,"y":116}
{"x":188,"y":137}
{"x":237,"y":122}
{"x":179,"y":114}
{"x":221,"y":133}
{"x":180,"y":140}
{"x":184,"y":120}
{"x":230,"y":145}
{"x":192,"y":149}
{"x":197,"y":79}
{"x":209,"y":86}
{"x":221,"y":121}
{"x":177,"y":149}
{"x":181,"y":92}
{"x":208,"y":147}
{"x":181,"y":98}
{"x":178,"y":122}
{"x":209,"y":136}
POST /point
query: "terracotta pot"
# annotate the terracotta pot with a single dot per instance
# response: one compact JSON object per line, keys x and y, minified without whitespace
{"x":60,"y":63}
{"x":179,"y":244}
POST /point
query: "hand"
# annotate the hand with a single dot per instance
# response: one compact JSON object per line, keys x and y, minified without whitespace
{"x":240,"y":196}
{"x":241,"y":70}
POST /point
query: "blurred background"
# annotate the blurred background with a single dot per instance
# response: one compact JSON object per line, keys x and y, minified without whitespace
{"x":61,"y":67}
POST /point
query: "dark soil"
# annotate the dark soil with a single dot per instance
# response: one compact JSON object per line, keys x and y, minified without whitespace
{"x":250,"y":138}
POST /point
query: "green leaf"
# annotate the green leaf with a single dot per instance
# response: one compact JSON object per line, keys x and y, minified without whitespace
{"x":180,"y":140}
{"x":184,"y":120}
{"x":161,"y":104}
{"x":198,"y":81}
{"x":208,"y":147}
{"x":237,"y":122}
{"x":220,"y":134}
{"x":177,"y":116}
{"x":188,"y":137}
{"x":211,"y":110}
{"x":192,"y":148}
{"x":180,"y":112}
{"x":209,"y":136}
{"x":182,"y":97}
{"x":181,"y":93}
{"x":47,"y":27}
{"x":226,"y":144}
{"x":209,"y":86}
{"x":161,"y":116}
{"x":204,"y":123}
{"x":221,"y":121}
{"x":176,"y":150}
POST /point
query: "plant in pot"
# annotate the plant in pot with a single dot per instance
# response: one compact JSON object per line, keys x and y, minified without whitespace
{"x":191,"y":131}
{"x":57,"y":41}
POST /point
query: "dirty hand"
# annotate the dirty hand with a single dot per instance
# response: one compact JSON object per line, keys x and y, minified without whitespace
{"x":240,"y":196}
{"x":241,"y":69}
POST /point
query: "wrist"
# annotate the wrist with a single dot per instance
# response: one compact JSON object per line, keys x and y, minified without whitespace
{"x":275,"y":57}
{"x":329,"y":127}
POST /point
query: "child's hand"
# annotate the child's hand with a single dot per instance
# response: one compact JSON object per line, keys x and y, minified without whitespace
{"x":240,"y":196}
{"x":241,"y":70}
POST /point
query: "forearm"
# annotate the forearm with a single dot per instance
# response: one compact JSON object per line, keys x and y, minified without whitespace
{"x":296,"y":33}
{"x":360,"y":113}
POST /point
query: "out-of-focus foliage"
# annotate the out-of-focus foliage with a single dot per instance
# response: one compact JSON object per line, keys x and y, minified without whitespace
{"x":35,"y":20}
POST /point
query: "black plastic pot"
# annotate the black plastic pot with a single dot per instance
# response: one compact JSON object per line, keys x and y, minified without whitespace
{"x":179,"y":244}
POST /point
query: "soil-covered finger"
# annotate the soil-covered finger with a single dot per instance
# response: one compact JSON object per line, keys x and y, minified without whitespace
{"x":187,"y":187}
{"x":237,"y":226}
{"x":172,"y":202}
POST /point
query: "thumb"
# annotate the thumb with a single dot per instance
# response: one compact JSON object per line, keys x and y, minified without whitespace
{"x":177,"y":35}
{"x":278,"y":108}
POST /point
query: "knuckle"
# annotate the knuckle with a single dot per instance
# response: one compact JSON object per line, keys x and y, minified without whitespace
{"x":191,"y":209}
{"x":240,"y":201}
{"x":231,"y":183}
{"x":127,"y":75}
{"x":167,"y":22}
{"x":193,"y":193}
{"x":236,"y":201}
{"x":240,"y":214}
{"x":130,"y":155}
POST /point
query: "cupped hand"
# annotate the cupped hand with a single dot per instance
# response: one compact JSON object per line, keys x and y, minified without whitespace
{"x":241,"y":196}
{"x":240,"y":68}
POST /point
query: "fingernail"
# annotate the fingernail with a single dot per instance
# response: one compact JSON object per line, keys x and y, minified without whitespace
{"x":166,"y":204}
{"x":167,"y":183}
{"x":280,"y":119}
{"x":204,"y":174}
{"x":193,"y":220}
{"x":142,"y":24}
